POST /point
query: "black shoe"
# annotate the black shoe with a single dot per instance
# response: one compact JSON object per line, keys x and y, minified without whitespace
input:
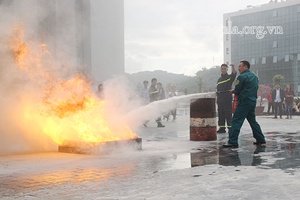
{"x":221,"y":130}
{"x":159,"y":124}
{"x":259,"y":143}
{"x":230,"y":145}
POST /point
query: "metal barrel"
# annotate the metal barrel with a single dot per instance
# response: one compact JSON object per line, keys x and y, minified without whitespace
{"x":203,"y":126}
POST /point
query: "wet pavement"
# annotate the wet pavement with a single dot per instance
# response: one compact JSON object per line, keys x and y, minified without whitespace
{"x":169,"y":166}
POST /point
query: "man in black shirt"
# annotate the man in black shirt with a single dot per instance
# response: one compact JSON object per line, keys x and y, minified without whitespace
{"x":224,"y":97}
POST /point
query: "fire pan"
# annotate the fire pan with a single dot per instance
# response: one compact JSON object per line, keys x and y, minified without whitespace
{"x":103,"y":147}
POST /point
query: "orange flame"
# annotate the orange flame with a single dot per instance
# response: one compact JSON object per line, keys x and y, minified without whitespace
{"x":66,"y":110}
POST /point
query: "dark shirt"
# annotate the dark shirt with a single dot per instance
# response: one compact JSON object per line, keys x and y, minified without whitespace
{"x":289,"y":99}
{"x":224,"y":84}
{"x":153,"y":93}
{"x":281,"y":95}
{"x":161,"y":94}
{"x":246,"y":87}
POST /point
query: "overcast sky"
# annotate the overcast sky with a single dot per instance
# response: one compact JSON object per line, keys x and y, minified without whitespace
{"x":174,"y":35}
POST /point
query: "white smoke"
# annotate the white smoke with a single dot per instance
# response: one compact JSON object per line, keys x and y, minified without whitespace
{"x":17,"y":87}
{"x":55,"y":64}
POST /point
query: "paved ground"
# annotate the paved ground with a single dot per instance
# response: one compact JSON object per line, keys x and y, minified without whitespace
{"x":170,"y":166}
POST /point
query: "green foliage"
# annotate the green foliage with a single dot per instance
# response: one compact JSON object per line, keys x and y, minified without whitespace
{"x":277,"y":79}
{"x":203,"y":81}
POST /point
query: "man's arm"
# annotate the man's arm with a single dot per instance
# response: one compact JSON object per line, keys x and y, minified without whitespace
{"x":233,"y":71}
{"x":238,"y":85}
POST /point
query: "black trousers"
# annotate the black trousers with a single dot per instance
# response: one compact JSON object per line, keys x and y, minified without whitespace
{"x":278,"y":106}
{"x":225,"y":113}
{"x":270,"y":106}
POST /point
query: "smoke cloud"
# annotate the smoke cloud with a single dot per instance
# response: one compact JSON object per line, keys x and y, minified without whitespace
{"x":45,"y":97}
{"x":37,"y":55}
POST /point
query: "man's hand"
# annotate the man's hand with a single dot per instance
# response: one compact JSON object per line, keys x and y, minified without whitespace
{"x":233,"y":71}
{"x":231,"y":91}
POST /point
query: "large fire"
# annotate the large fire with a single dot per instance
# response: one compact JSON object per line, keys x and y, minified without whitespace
{"x":67,"y":109}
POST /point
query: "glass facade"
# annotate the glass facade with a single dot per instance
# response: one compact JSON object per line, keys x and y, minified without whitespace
{"x":278,"y":51}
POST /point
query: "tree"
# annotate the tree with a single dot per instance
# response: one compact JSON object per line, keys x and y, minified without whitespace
{"x":200,"y":82}
{"x":277,"y":79}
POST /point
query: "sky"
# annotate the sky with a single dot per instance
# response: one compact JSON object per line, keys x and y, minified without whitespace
{"x":177,"y":36}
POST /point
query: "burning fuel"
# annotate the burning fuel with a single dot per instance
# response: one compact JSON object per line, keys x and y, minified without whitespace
{"x":56,"y":105}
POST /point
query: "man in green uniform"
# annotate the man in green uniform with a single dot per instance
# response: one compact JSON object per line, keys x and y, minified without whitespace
{"x":246,"y":88}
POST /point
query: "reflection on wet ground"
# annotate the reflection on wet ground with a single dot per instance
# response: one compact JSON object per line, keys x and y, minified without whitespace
{"x":75,"y":176}
{"x":282,"y":151}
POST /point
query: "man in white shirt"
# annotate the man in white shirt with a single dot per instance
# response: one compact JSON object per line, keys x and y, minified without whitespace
{"x":277,"y":96}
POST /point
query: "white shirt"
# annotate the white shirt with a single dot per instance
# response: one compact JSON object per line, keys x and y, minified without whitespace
{"x":277,"y":98}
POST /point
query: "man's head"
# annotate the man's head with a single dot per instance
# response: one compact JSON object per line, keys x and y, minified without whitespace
{"x":100,"y":87}
{"x":277,"y":86}
{"x":145,"y":83}
{"x":159,"y":85}
{"x":287,"y":87}
{"x":153,"y":81}
{"x":224,"y":69}
{"x":243,"y":66}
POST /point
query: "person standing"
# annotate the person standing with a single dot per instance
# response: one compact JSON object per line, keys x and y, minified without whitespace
{"x":172,"y":93}
{"x":144,"y":93}
{"x":145,"y":97}
{"x":161,"y":96}
{"x":246,"y":88}
{"x":270,"y":103}
{"x":154,"y":96}
{"x":224,"y":97}
{"x":277,"y":96}
{"x":289,"y":100}
{"x":99,"y":92}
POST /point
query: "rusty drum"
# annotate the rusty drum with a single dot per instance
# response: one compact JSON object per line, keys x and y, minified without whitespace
{"x":203,"y":126}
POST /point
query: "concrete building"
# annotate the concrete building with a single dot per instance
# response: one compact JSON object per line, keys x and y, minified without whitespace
{"x":268,"y":36}
{"x":107,"y":36}
{"x":87,"y":34}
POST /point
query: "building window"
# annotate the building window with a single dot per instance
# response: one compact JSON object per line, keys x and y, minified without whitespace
{"x":227,"y":50}
{"x":298,"y":57}
{"x":275,"y":13}
{"x":274,"y":44}
{"x":252,"y":61}
{"x":274,"y":59}
{"x":286,"y":58}
{"x":298,"y":9}
{"x":227,"y":37}
{"x":263,"y":60}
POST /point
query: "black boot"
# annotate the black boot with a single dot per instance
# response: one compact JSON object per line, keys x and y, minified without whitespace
{"x":221,"y":130}
{"x":159,"y":124}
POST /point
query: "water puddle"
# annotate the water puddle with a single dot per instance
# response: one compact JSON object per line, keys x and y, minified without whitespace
{"x":281,"y":152}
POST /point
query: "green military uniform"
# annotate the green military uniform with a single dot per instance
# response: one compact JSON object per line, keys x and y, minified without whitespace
{"x":246,"y":88}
